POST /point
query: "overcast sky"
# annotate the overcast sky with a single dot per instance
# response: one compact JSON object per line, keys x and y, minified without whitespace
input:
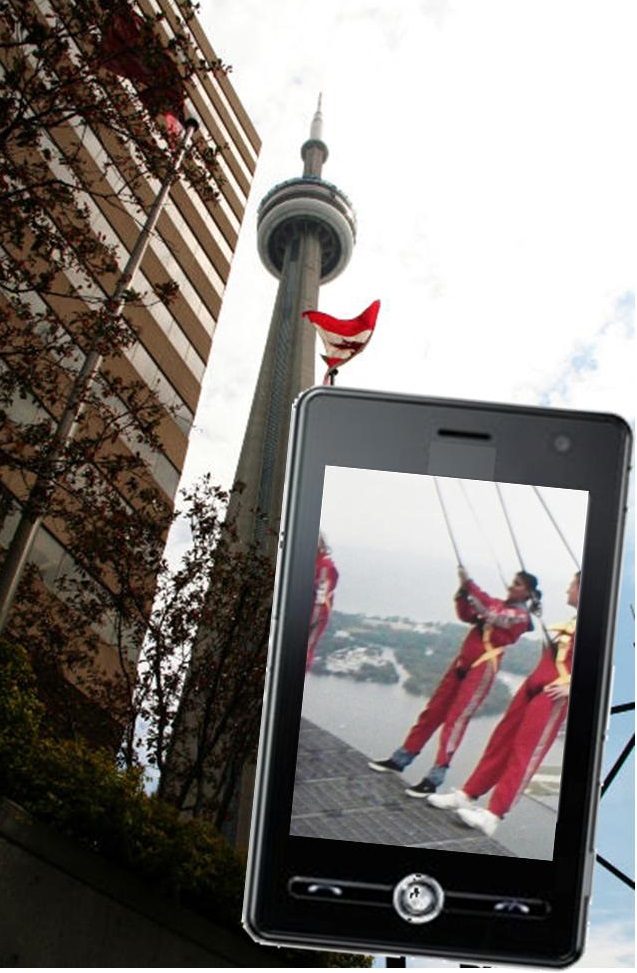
{"x":488,"y":150}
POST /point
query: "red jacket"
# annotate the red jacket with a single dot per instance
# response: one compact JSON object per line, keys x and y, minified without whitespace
{"x":325,"y":579}
{"x":496,"y":624}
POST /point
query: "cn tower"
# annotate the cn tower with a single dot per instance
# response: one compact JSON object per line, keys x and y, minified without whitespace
{"x":306,"y":230}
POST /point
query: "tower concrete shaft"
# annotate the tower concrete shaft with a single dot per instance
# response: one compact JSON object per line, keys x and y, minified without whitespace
{"x":287,"y":368}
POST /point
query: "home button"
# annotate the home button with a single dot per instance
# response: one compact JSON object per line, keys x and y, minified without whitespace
{"x":418,"y":898}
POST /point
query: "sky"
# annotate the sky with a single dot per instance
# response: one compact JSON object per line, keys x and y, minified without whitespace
{"x":488,"y":150}
{"x":488,"y":153}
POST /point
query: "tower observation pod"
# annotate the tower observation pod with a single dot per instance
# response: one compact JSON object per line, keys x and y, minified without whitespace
{"x":307,"y":203}
{"x":306,"y":230}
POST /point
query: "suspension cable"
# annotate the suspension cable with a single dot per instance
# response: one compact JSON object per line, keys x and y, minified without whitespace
{"x":485,"y":536}
{"x":510,"y":526}
{"x":557,"y":527}
{"x":447,"y":521}
{"x":536,"y":607}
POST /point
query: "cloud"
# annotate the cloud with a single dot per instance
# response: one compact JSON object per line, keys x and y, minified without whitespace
{"x":610,"y":944}
{"x":598,"y":374}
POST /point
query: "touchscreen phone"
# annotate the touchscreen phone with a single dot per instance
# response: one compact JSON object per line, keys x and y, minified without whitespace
{"x":438,"y":679}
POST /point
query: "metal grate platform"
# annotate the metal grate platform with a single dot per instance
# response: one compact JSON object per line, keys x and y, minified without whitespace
{"x":338,"y":796}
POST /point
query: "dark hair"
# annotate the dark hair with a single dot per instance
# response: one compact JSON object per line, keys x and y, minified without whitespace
{"x":535,"y":594}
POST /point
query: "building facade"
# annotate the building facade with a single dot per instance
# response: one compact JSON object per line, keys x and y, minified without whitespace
{"x":192,"y":245}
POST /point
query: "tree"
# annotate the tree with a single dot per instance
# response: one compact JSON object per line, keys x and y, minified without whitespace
{"x":204,"y":662}
{"x":58,"y":269}
{"x":219,"y":595}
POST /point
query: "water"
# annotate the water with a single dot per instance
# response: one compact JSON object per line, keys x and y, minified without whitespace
{"x":375,"y":719}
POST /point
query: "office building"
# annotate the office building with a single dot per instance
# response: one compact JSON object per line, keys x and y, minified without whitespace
{"x":193,"y":245}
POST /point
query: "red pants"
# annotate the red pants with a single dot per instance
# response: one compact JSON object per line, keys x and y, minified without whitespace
{"x":516,"y":749}
{"x":317,"y":627}
{"x":452,"y":705}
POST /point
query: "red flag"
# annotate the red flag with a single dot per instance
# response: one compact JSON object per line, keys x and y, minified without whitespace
{"x":130,"y":49}
{"x":343,"y":339}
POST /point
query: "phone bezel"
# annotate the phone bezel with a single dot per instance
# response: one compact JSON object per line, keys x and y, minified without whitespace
{"x":369,"y":430}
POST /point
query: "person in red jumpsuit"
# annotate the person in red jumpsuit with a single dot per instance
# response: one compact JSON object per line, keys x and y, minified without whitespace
{"x":325,"y":580}
{"x":496,"y":623}
{"x":524,"y":735}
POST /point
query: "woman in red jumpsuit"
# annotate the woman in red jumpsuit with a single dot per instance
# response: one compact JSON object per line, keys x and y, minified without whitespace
{"x":496,"y":623}
{"x":325,"y":579}
{"x":523,"y":736}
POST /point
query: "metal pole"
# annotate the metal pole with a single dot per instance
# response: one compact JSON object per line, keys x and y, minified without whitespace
{"x":37,"y":502}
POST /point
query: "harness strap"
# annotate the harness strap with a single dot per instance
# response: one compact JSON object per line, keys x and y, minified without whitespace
{"x":490,"y":653}
{"x":562,"y":645}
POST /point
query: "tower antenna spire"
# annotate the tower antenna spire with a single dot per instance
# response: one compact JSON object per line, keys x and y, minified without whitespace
{"x":316,"y":129}
{"x":314,"y":151}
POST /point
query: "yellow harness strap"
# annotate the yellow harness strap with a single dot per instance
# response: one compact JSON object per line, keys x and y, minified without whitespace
{"x":563,"y":642}
{"x":490,"y":653}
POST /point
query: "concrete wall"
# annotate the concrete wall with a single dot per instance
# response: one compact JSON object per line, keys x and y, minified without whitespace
{"x":61,"y":906}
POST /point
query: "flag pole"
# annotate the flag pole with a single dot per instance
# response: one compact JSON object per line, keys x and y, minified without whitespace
{"x":35,"y":507}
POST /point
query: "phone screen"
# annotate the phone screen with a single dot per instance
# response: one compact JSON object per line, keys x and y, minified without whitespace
{"x":461,"y":679}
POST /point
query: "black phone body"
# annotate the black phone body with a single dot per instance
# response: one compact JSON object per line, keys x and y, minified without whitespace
{"x":340,"y":857}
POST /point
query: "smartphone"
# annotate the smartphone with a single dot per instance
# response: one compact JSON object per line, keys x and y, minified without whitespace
{"x":438,"y":678}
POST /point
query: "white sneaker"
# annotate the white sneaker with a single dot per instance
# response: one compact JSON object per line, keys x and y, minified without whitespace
{"x":479,"y":818}
{"x":451,"y":801}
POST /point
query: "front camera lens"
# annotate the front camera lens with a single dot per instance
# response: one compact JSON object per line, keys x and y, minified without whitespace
{"x":562,"y":443}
